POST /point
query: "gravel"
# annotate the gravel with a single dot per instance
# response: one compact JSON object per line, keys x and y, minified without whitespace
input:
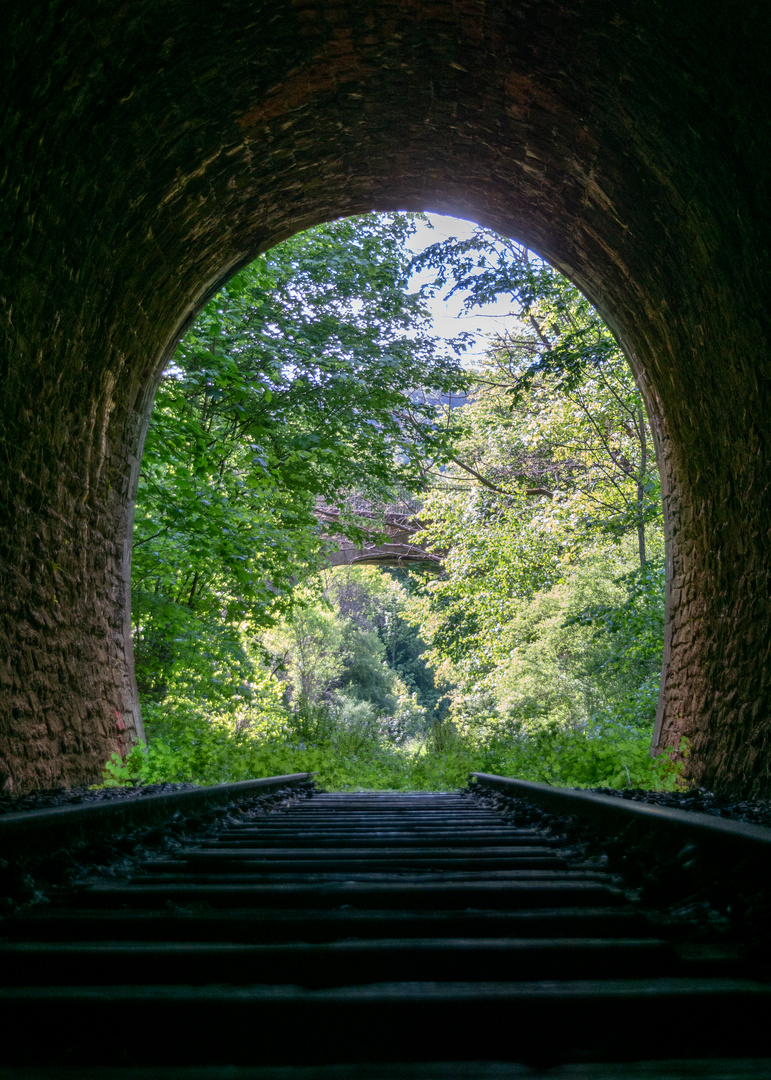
{"x":46,"y":800}
{"x":700,"y":801}
{"x":689,"y":895}
{"x":37,"y":879}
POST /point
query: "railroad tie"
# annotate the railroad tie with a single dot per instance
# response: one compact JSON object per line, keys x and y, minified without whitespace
{"x":363,"y":928}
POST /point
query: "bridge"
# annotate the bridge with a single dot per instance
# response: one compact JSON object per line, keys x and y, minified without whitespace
{"x":398,"y":550}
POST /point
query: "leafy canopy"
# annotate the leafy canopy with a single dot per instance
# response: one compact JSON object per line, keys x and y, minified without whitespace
{"x":313,"y":372}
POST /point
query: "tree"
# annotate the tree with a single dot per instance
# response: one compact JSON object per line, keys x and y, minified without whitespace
{"x":336,"y":663}
{"x":539,"y":618}
{"x":313,"y":377}
{"x":301,"y":378}
{"x":375,"y":602}
{"x":587,"y":440}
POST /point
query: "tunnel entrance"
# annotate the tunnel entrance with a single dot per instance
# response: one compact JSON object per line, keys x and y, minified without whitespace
{"x":153,"y":155}
{"x":371,"y":385}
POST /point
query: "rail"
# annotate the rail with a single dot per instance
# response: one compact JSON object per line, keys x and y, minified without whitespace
{"x":367,"y":935}
{"x":609,"y":814}
{"x":41,"y":830}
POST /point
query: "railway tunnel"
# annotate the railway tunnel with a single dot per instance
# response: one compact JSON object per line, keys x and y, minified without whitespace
{"x":152,"y":149}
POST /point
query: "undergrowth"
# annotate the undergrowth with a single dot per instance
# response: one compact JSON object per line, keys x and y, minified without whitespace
{"x":190,"y":748}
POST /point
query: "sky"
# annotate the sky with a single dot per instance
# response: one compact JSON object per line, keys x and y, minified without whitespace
{"x":449,"y":318}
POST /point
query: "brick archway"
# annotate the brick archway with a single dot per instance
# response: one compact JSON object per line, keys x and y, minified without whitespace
{"x":152,"y":151}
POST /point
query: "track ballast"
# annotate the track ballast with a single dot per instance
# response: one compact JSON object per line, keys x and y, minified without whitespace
{"x":361,"y":929}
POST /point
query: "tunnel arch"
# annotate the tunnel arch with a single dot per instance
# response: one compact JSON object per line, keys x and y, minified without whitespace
{"x":154,"y":153}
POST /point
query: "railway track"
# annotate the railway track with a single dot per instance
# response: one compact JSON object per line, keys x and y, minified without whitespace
{"x":375,"y":935}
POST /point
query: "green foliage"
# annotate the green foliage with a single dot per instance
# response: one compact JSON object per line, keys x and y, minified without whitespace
{"x":335,"y":661}
{"x":601,"y":755}
{"x":558,"y":332}
{"x":383,"y":641}
{"x":356,"y":760}
{"x":547,"y":624}
{"x":555,"y":392}
{"x":297,"y":382}
{"x":308,"y":645}
{"x":535,"y":652}
{"x":631,"y":628}
{"x":569,"y":670}
{"x":185,"y":744}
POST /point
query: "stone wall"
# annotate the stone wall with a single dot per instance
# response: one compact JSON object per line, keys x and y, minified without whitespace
{"x":153,"y":148}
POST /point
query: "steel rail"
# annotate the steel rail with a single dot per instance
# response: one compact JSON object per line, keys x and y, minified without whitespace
{"x":346,"y":937}
{"x":724,"y":841}
{"x":35,"y":831}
